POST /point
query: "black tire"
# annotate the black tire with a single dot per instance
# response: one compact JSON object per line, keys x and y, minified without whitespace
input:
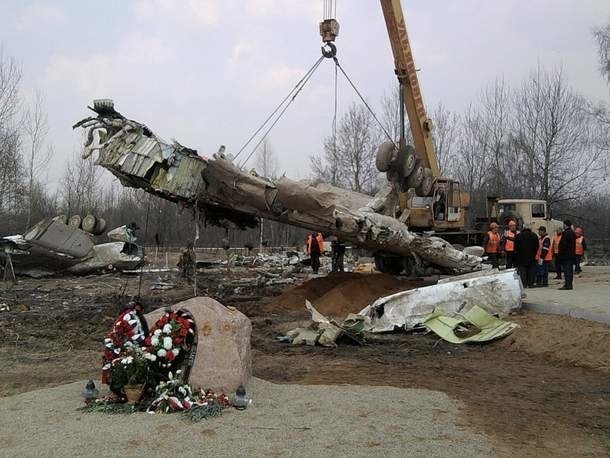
{"x":417,"y":176}
{"x":407,"y":160}
{"x":388,"y":264}
{"x":384,"y":157}
{"x":427,"y":185}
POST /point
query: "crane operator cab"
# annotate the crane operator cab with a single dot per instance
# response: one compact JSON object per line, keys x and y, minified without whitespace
{"x":445,"y":209}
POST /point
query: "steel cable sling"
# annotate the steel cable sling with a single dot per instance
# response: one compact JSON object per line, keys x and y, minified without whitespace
{"x":285,"y":103}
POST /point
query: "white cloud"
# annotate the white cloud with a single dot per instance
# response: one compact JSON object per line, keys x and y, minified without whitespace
{"x":185,"y":12}
{"x":38,"y":14}
{"x":280,"y":77}
{"x":103,"y":74}
{"x":308,"y":8}
{"x":241,"y":51}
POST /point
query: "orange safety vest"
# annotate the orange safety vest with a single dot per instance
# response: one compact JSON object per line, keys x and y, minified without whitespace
{"x":509,"y":245}
{"x":579,"y":248}
{"x":493,"y":245}
{"x":549,"y":253}
{"x":319,"y":240}
{"x":556,"y":240}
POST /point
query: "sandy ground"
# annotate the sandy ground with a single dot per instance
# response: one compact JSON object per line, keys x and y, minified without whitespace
{"x":284,"y":420}
{"x":543,"y":391}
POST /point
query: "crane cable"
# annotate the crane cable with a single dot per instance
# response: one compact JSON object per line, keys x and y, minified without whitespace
{"x":330,"y":9}
{"x":293,"y":93}
{"x":334,"y":128}
{"x":385,"y":131}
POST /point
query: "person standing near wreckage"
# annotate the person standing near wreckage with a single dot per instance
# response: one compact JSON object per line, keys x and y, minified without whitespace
{"x":556,"y":259}
{"x":491,"y":242}
{"x":315,"y":247}
{"x":544,"y":257}
{"x":338,"y":251}
{"x":508,"y":243}
{"x":526,"y":249}
{"x":567,"y":254}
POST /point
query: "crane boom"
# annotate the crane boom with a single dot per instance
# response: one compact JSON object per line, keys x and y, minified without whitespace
{"x":421,"y":125}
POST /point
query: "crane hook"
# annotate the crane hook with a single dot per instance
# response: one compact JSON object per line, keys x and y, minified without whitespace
{"x":329,"y":50}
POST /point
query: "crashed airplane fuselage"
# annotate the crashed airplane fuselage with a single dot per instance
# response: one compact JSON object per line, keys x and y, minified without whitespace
{"x":220,"y":190}
{"x":52,"y":247}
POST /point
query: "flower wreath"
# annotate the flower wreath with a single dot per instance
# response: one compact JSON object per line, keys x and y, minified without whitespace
{"x":128,"y":330}
{"x":170,"y":339}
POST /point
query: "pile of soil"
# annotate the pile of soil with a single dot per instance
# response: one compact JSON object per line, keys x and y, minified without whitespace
{"x":563,"y":339}
{"x":339,"y":294}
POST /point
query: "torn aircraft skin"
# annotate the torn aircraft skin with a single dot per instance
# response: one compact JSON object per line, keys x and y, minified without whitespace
{"x":220,"y":190}
{"x":52,"y":247}
{"x":497,"y":292}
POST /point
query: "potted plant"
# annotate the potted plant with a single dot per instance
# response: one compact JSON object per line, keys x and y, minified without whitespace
{"x":131,"y":372}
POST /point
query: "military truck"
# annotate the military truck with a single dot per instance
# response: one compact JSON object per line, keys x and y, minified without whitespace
{"x":533,"y":212}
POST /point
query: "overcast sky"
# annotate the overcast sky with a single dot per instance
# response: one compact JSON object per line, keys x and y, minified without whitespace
{"x":207,"y":72}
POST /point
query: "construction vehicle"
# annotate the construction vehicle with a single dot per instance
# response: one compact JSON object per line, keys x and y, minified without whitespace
{"x":429,"y":201}
{"x":419,"y":196}
{"x":531,"y":212}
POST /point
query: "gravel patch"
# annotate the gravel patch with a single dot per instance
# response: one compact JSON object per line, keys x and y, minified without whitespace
{"x":284,"y":420}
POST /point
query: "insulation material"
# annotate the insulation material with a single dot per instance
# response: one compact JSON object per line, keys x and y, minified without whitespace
{"x":496,"y":292}
{"x":488,"y":326}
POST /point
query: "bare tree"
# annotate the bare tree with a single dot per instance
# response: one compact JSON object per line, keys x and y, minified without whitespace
{"x":390,"y":116}
{"x":557,"y":137}
{"x":472,"y":162}
{"x":267,"y":165}
{"x":80,"y":186}
{"x":36,"y":128}
{"x":10,"y":139}
{"x":266,"y":160}
{"x":445,"y":136}
{"x":602,"y":37}
{"x":495,"y":108}
{"x":349,"y":160}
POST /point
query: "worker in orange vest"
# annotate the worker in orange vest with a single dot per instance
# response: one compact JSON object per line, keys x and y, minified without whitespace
{"x":491,"y":242}
{"x":315,"y":247}
{"x":544,"y":257}
{"x":508,"y":243}
{"x":581,"y":246}
{"x":556,"y":260}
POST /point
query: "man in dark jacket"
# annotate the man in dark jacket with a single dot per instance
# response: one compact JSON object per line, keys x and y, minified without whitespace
{"x":567,"y":254}
{"x":526,"y":247}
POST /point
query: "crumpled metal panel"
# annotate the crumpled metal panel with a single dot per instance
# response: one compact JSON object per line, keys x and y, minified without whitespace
{"x":216,"y":185}
{"x":498,"y":292}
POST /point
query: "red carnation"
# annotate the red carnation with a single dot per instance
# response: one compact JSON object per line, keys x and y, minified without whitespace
{"x":170,"y":356}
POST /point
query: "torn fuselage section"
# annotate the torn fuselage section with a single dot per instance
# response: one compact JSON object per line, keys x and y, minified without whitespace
{"x":53,"y":247}
{"x":216,"y":187}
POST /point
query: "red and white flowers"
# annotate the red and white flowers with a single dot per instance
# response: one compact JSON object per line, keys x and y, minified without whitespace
{"x":127,"y":331}
{"x":171,"y":335}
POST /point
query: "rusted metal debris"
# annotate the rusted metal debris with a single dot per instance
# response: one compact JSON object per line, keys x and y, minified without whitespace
{"x":222,"y":191}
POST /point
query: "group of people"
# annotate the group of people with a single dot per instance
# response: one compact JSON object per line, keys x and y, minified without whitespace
{"x":533,"y":254}
{"x":315,"y":247}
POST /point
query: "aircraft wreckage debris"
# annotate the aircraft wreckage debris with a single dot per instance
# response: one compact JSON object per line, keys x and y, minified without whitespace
{"x":222,"y":191}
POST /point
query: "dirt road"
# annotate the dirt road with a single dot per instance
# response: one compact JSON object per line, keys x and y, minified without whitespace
{"x":545,"y":390}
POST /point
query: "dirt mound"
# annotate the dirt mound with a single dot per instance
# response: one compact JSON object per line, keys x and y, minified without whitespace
{"x":560,"y":338}
{"x":339,"y":294}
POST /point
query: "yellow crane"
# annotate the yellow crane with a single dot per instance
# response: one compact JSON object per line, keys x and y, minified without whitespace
{"x":427,"y":199}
